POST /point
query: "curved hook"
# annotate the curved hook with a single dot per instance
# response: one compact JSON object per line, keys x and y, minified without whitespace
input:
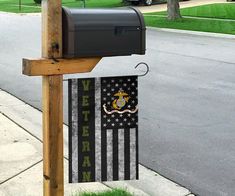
{"x":147,"y":71}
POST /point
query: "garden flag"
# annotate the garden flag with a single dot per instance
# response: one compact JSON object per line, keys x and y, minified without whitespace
{"x":103,"y":129}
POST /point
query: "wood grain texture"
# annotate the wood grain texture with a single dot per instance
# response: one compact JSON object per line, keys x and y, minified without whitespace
{"x":53,"y":168}
{"x":39,"y":67}
{"x":51,"y":29}
{"x":53,"y":135}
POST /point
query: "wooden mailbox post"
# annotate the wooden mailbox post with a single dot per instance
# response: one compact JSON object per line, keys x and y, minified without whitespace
{"x":52,"y":67}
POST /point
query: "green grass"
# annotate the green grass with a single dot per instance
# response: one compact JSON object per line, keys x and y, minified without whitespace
{"x":220,"y":11}
{"x":223,"y":10}
{"x":13,"y":6}
{"x":28,"y":6}
{"x":192,"y":24}
{"x":115,"y":192}
{"x":93,"y":3}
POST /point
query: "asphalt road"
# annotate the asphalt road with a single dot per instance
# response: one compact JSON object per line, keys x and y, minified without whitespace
{"x":187,"y":101}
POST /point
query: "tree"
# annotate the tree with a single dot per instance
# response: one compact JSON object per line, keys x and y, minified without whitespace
{"x":173,"y":9}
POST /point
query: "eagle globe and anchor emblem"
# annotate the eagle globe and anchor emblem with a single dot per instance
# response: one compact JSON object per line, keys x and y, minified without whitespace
{"x":120,"y":101}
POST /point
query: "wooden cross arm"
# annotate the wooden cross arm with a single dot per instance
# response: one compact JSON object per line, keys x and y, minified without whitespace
{"x":45,"y":67}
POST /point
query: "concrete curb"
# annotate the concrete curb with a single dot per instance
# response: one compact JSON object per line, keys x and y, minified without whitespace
{"x":199,"y":33}
{"x":25,"y":121}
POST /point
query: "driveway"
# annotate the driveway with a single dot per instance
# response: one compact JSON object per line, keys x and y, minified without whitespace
{"x":183,"y":4}
{"x":187,"y":101}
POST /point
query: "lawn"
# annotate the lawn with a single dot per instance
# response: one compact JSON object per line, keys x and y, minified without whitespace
{"x":214,"y":11}
{"x":13,"y":6}
{"x":28,"y":6}
{"x":223,"y":10}
{"x":217,"y":10}
{"x":93,"y":3}
{"x":115,"y":192}
{"x":192,"y":24}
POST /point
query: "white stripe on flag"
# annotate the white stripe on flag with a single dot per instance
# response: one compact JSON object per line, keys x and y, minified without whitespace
{"x":74,"y":90}
{"x":98,"y":129}
{"x":109,"y":154}
{"x":132,"y":154}
{"x":121,"y":154}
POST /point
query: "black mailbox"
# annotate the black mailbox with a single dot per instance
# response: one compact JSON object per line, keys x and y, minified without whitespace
{"x":103,"y":32}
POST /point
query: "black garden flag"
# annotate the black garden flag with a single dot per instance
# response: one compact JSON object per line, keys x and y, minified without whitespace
{"x":103,"y":129}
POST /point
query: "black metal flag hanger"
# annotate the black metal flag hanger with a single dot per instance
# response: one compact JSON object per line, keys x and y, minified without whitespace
{"x":147,"y":68}
{"x":139,"y":75}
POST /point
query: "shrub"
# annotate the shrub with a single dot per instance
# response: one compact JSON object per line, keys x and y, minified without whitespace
{"x":38,"y":1}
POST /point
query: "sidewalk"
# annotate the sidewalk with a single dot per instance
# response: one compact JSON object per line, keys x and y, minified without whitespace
{"x":21,"y":158}
{"x":183,"y":4}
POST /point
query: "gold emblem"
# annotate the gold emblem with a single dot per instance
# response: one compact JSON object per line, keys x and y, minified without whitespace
{"x":121,"y":100}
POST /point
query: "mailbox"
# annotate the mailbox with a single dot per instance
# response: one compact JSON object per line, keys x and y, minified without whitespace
{"x":103,"y":32}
